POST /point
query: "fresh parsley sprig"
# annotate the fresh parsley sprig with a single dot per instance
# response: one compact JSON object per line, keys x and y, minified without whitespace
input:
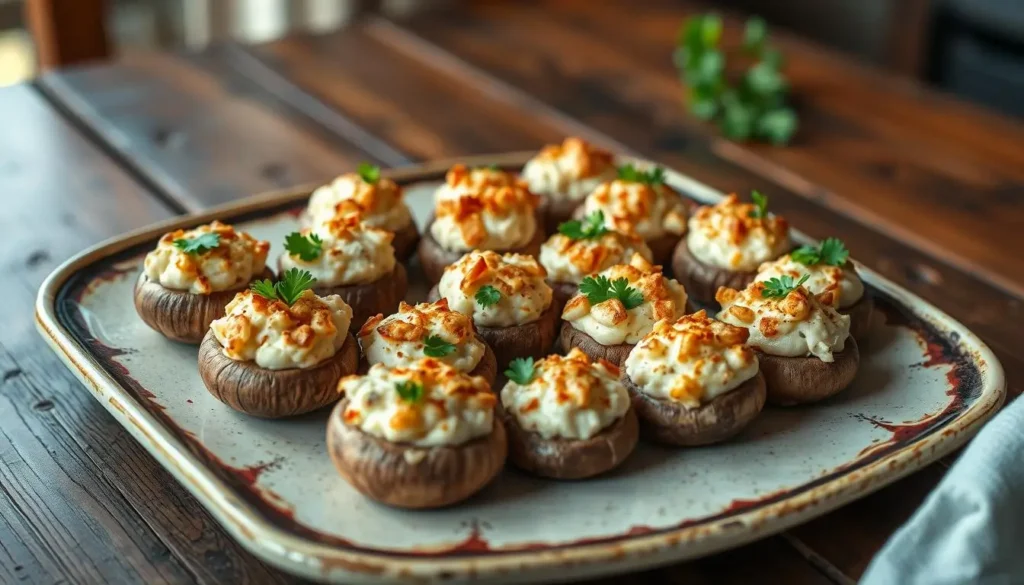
{"x":409,"y":391}
{"x":832,"y":251}
{"x":754,"y":106}
{"x":630,"y":173}
{"x":760,"y":200}
{"x":599,"y":289}
{"x":521,"y":370}
{"x":487,"y":296}
{"x":369,"y":173}
{"x":590,"y":227}
{"x":198,"y":245}
{"x":306,"y":247}
{"x":435,"y":346}
{"x":777,"y":288}
{"x":288,"y":289}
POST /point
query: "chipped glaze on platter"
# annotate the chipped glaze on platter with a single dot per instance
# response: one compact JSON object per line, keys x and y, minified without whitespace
{"x":925,"y":386}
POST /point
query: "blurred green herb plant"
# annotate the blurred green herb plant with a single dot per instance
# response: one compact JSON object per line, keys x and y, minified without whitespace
{"x":751,"y":107}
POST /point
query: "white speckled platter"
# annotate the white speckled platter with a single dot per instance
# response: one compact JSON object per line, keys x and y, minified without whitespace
{"x":925,"y":386}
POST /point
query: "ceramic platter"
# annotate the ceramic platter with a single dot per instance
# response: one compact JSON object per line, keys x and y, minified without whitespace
{"x":925,"y":385}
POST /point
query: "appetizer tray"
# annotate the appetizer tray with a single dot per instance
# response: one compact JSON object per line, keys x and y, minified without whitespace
{"x":925,"y":385}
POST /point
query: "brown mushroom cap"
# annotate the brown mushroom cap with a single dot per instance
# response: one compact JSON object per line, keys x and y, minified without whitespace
{"x":257,"y":391}
{"x":571,"y":458}
{"x":407,"y":476}
{"x":486,"y":368}
{"x":367,"y":300}
{"x":434,"y":259}
{"x":725,"y":415}
{"x":182,"y":315}
{"x":860,"y":314}
{"x":799,"y":380}
{"x":703,"y":280}
{"x":405,"y":241}
{"x":563,"y":291}
{"x":571,"y":337}
{"x":557,"y":210}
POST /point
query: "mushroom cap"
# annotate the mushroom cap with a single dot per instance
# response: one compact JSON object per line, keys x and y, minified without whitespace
{"x":861,"y":314}
{"x":486,"y":368}
{"x":702,"y":280}
{"x":257,"y":391}
{"x":725,"y":415}
{"x":661,"y":246}
{"x":434,"y":259}
{"x":405,"y":242}
{"x":571,"y":337}
{"x":560,"y":458}
{"x":563,"y":291}
{"x":182,"y":315}
{"x":799,"y":380}
{"x":381,"y":296}
{"x":407,"y":476}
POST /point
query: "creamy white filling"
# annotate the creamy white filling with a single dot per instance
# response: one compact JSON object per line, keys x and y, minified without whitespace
{"x":386,"y":209}
{"x":276,"y":338}
{"x":235,"y":262}
{"x":567,"y":400}
{"x":709,"y":241}
{"x":500,"y":232}
{"x":647,"y":211}
{"x":446,"y":415}
{"x":821,"y":277}
{"x":570,"y":261}
{"x":604,"y":321}
{"x":524,"y":296}
{"x":819,"y":331}
{"x":559,"y":178}
{"x":355,"y":256}
{"x":380,"y":349}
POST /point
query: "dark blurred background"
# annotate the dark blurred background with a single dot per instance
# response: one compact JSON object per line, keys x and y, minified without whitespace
{"x":971,"y":48}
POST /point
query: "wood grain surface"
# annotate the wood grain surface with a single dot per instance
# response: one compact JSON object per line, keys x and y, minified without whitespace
{"x":907,"y":178}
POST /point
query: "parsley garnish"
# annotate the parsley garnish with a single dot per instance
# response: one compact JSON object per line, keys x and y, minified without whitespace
{"x":590,"y":228}
{"x":831,"y":252}
{"x":487,"y":296}
{"x":599,"y":289}
{"x":369,"y":173}
{"x":288,"y":289}
{"x":435,"y":346}
{"x":753,"y":108}
{"x":761,"y":202}
{"x":307,"y":248}
{"x":409,"y":391}
{"x":520,"y":370}
{"x":199,"y":244}
{"x":630,"y":173}
{"x":782,"y":286}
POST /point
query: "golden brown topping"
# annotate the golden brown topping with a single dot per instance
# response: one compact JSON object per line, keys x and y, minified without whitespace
{"x":695,"y":332}
{"x":511,"y":275}
{"x":732,"y":218}
{"x":588,"y":160}
{"x":573,"y":376}
{"x":414,"y":322}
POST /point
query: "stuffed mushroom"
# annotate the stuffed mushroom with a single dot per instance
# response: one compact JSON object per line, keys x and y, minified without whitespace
{"x":423,"y":436}
{"x":828,"y":268}
{"x":427,"y":330}
{"x":567,"y":417}
{"x":725,"y":245}
{"x":480,"y":209}
{"x":585,"y":247}
{"x":193,"y":274}
{"x":564,"y":174}
{"x":693,"y":381}
{"x":352,"y":260}
{"x":639,"y":202}
{"x":511,"y":305}
{"x":378,"y":200}
{"x":617,"y":307}
{"x":279,"y":350}
{"x":803,"y":345}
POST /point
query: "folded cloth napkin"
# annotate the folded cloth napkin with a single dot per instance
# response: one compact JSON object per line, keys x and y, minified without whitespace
{"x":970,"y":529}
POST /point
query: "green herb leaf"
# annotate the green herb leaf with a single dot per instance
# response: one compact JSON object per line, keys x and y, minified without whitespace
{"x":306,"y":247}
{"x":591,"y":227}
{"x":599,"y":289}
{"x":806,"y":255}
{"x":487,"y":296}
{"x":754,"y":35}
{"x":288,"y":289}
{"x":198,"y":245}
{"x":409,"y":391}
{"x":777,"y":126}
{"x":435,"y":346}
{"x":781,"y":286}
{"x":630,"y":173}
{"x":521,"y":370}
{"x":738,"y":121}
{"x":832,"y":251}
{"x":369,"y":173}
{"x":761,"y":203}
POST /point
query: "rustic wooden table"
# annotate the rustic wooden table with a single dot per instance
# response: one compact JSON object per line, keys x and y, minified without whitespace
{"x":926,"y":190}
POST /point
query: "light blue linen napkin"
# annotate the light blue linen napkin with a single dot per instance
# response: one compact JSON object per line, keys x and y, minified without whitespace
{"x":970,"y":529}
